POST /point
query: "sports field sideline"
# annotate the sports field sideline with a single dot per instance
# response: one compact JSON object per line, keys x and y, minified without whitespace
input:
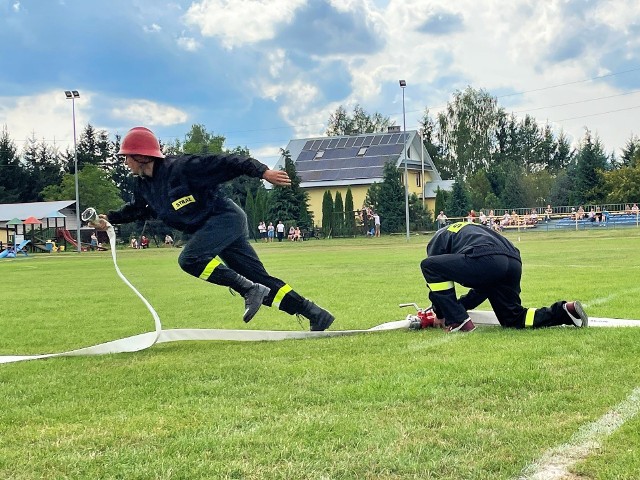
{"x":394,"y":405}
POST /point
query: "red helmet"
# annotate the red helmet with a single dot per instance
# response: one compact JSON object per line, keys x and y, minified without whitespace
{"x":140,"y":141}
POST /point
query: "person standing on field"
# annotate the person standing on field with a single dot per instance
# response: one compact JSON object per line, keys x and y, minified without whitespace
{"x":477,"y":257}
{"x":280,"y":230}
{"x":376,"y":222}
{"x":183,"y":191}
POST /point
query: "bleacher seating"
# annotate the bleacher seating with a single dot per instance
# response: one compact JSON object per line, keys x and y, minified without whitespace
{"x":615,"y":220}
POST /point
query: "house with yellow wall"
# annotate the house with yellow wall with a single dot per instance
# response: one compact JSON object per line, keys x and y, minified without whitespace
{"x":357,"y":162}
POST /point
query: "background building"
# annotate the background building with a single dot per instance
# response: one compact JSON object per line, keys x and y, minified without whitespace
{"x":357,"y":161}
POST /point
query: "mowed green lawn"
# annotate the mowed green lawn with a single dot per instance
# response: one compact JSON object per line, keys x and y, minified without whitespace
{"x":389,"y":405}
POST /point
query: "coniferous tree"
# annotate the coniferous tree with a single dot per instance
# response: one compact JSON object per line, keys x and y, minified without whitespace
{"x":458,"y":204}
{"x":442,"y":197}
{"x":12,"y":175}
{"x":291,"y":204}
{"x":591,"y":161}
{"x":327,"y":214}
{"x":629,"y":151}
{"x":250,"y":210}
{"x":391,"y":200}
{"x":349,"y":213}
{"x":43,"y":167}
{"x":262,"y":206}
{"x":513,"y":194}
{"x":338,"y":215}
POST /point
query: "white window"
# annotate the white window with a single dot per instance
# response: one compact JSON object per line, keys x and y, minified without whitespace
{"x":319,"y":154}
{"x":362,"y":151}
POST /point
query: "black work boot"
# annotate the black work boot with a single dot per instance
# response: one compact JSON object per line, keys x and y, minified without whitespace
{"x":253,"y":300}
{"x":319,"y":318}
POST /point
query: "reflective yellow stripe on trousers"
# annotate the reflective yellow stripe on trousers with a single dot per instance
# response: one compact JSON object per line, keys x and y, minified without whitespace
{"x":280,"y":295}
{"x":208,"y":270}
{"x":528,"y":321}
{"x":440,"y":286}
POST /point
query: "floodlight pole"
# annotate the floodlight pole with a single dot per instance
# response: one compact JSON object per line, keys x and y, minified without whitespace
{"x":72,"y":95}
{"x":403,"y":85}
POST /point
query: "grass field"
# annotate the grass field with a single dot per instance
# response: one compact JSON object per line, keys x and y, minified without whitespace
{"x":390,"y":405}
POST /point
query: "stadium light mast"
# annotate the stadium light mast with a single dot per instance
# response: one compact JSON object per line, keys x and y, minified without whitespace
{"x":72,"y":95}
{"x":403,"y":85}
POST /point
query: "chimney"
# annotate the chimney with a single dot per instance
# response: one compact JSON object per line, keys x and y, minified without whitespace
{"x":393,"y":129}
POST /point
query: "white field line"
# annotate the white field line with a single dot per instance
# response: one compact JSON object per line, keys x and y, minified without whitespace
{"x":556,"y":462}
{"x":604,"y":300}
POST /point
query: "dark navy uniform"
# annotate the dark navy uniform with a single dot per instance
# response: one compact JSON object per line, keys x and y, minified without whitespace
{"x":490,"y":265}
{"x":184,"y":193}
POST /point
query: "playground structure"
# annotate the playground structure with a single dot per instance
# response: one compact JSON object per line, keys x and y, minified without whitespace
{"x":12,"y":252}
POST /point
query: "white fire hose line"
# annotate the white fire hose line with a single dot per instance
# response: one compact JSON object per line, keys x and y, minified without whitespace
{"x":146,"y":340}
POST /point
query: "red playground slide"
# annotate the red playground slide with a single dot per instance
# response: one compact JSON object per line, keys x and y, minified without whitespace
{"x":67,"y":236}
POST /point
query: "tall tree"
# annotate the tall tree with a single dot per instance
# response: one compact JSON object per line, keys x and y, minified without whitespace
{"x":199,"y":140}
{"x":428,"y":134}
{"x":119,"y":172}
{"x":94,"y":148}
{"x":238,"y":188}
{"x":591,"y":161}
{"x":623,"y":185}
{"x":338,"y":215}
{"x":391,"y":201}
{"x":262,"y":205}
{"x":349,"y":213}
{"x":291,"y":203}
{"x":479,"y":187}
{"x":341,"y":123}
{"x":327,"y":213}
{"x":458,"y":204}
{"x":95,"y":189}
{"x":43,"y":166}
{"x":12,"y":174}
{"x":250,"y":210}
{"x":466,"y":131}
{"x":442,"y":197}
{"x":629,"y":152}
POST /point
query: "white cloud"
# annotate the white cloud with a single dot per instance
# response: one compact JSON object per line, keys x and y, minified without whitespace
{"x":237,"y":23}
{"x":47,"y":116}
{"x":16,"y":6}
{"x":153,"y":28}
{"x":145,"y":112}
{"x":189,"y":44}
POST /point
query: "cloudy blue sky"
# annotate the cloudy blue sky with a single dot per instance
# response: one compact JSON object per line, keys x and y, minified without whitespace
{"x":261,"y":72}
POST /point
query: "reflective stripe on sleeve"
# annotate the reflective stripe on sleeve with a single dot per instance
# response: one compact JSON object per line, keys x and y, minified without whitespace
{"x":528,"y":321}
{"x":280,"y":295}
{"x":440,"y":286}
{"x":208,"y":270}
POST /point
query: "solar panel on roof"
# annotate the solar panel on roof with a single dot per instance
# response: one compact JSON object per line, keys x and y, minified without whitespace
{"x":358,"y":142}
{"x":376,"y":140}
{"x":325,"y":144}
{"x":333,"y":143}
{"x":307,"y":146}
{"x":305,"y":155}
{"x":351,"y":141}
{"x":342,"y":142}
{"x":315,"y":145}
{"x":367,"y":141}
{"x":394,"y":138}
{"x":384,"y":150}
{"x":385,"y":139}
